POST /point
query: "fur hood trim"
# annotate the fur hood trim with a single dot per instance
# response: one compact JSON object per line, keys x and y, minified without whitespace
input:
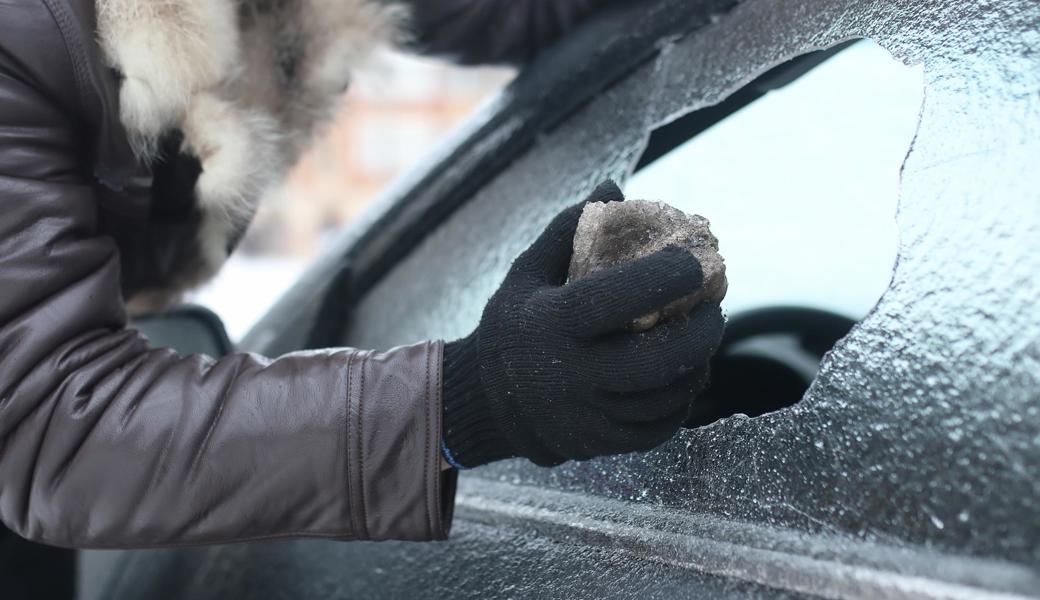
{"x":246,"y":81}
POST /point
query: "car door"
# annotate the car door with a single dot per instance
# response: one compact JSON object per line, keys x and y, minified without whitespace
{"x":902,"y":464}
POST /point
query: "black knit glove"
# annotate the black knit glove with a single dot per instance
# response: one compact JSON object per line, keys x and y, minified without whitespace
{"x":552,"y":374}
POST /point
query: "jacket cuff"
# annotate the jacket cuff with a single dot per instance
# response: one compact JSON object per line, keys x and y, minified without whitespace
{"x":396,"y":487}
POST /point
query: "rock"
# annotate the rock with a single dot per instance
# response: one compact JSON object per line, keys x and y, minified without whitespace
{"x":612,"y":233}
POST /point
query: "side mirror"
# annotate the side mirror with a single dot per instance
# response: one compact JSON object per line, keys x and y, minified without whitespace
{"x":188,"y":329}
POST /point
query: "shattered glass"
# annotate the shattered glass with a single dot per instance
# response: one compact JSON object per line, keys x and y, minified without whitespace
{"x":923,"y":425}
{"x":801,"y":186}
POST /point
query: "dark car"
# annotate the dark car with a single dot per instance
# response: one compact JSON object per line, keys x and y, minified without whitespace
{"x":873,"y":424}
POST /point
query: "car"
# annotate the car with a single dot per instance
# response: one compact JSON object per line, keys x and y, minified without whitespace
{"x":873,"y":427}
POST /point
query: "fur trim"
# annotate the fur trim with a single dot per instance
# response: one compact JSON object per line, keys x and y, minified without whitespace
{"x":167,"y":51}
{"x":316,"y":45}
{"x":248,"y":82}
{"x":240,"y":159}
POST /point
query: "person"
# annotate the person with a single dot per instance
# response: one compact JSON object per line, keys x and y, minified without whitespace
{"x":136,"y":138}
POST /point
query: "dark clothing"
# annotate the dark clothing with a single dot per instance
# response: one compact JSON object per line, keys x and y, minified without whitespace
{"x":495,"y":31}
{"x":31,"y":571}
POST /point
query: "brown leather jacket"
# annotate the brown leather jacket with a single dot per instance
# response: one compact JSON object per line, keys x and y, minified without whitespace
{"x":136,"y":138}
{"x":107,"y":443}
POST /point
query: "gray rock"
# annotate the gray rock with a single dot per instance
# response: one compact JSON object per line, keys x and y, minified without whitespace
{"x":612,"y":233}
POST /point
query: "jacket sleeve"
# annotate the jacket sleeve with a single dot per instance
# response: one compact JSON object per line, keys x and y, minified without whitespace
{"x":495,"y":31}
{"x":105,"y":442}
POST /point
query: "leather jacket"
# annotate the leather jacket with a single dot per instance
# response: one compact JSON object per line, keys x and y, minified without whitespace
{"x":135,"y":140}
{"x":105,"y":442}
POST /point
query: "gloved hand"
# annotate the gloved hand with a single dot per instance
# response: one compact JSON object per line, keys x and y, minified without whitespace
{"x":551,"y":373}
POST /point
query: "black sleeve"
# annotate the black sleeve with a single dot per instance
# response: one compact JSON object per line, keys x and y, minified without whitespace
{"x":494,"y":31}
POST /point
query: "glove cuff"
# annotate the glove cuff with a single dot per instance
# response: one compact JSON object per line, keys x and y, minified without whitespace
{"x":472,"y":437}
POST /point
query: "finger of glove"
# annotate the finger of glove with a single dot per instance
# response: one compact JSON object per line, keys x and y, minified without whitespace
{"x":643,"y":436}
{"x":608,"y":191}
{"x":550,"y":255}
{"x":608,"y":300}
{"x":629,"y":362}
{"x":652,"y":405}
{"x":548,"y":258}
{"x":647,"y":436}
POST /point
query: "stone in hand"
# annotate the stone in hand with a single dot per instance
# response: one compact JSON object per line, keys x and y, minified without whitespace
{"x":612,"y":233}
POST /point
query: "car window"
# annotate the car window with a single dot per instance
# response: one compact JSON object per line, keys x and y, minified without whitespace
{"x":908,"y":468}
{"x":801,"y":185}
{"x":902,"y":433}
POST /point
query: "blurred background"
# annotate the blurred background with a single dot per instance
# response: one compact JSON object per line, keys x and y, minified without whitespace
{"x":397,"y":109}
